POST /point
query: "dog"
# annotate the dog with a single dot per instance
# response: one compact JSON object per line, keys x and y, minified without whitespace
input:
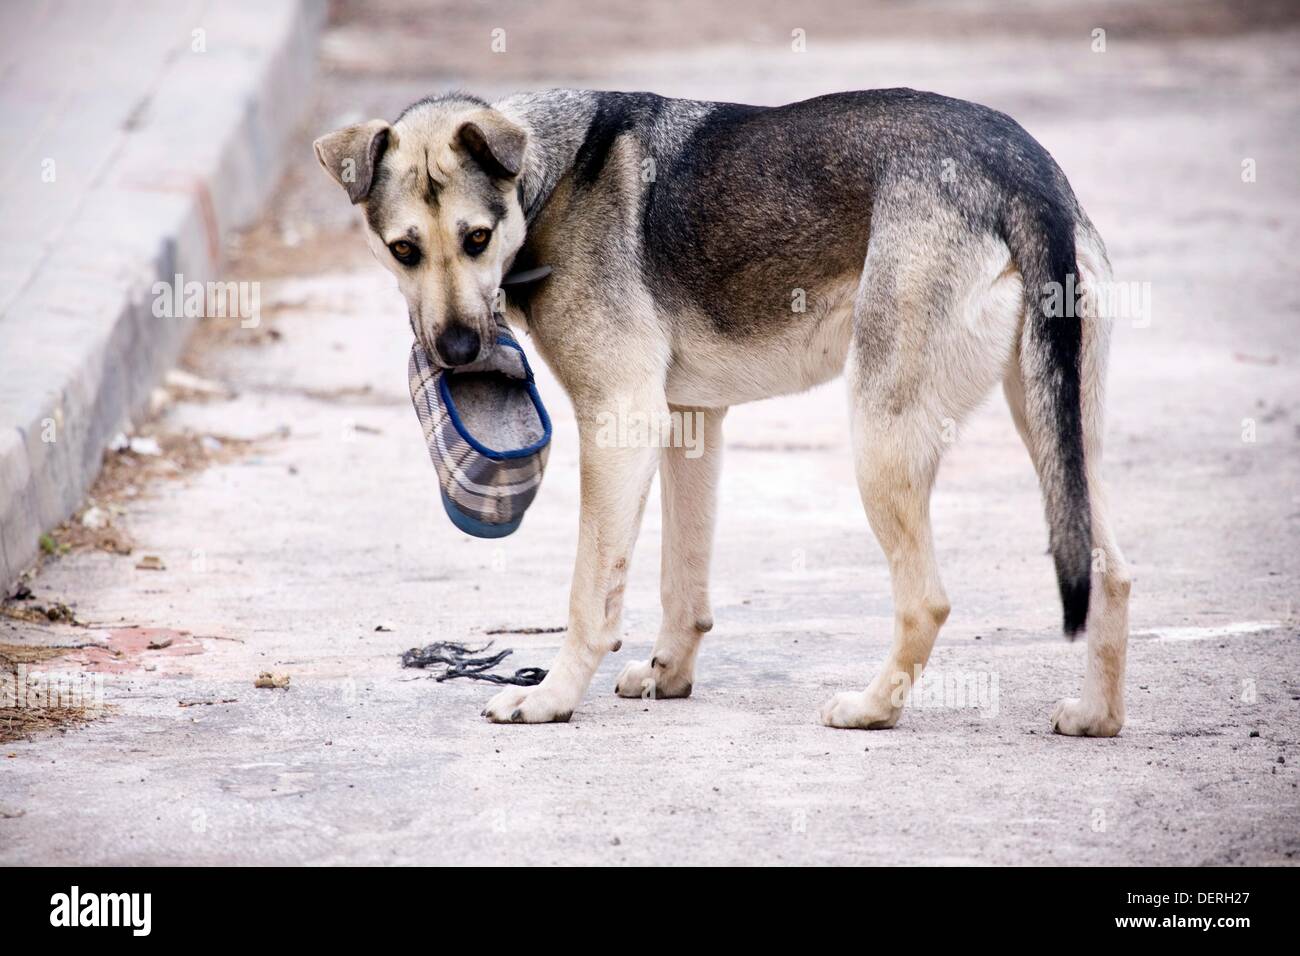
{"x":923,"y":237}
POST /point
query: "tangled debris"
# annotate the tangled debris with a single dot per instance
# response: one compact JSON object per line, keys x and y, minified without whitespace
{"x":55,"y":612}
{"x":458,"y":660}
{"x":196,"y":702}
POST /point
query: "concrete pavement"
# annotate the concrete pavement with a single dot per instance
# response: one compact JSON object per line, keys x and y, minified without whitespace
{"x":134,"y":141}
{"x":320,"y":550}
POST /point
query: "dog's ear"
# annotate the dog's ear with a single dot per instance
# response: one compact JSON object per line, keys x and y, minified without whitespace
{"x":352,"y":153}
{"x":495,"y":143}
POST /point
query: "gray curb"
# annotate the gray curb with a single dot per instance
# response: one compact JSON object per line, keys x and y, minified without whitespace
{"x":80,"y":347}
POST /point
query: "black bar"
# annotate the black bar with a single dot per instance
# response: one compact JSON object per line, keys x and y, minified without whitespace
{"x":240,"y":905}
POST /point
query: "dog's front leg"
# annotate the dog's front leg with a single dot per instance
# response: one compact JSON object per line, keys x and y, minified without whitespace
{"x":688,"y":478}
{"x":619,"y":452}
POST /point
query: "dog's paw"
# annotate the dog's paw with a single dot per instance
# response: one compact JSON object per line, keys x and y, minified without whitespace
{"x":530,"y":705}
{"x":859,"y":710}
{"x":1075,"y":719}
{"x":651,"y":680}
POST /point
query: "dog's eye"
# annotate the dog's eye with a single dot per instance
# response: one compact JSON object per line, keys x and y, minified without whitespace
{"x":404,"y":252}
{"x":476,"y":241}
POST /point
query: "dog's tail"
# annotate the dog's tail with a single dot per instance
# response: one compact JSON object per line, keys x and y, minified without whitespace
{"x":1040,"y":235}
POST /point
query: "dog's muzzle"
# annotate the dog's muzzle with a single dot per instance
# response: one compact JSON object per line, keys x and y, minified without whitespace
{"x":457,"y":345}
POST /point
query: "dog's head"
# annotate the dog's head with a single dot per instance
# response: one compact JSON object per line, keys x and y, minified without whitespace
{"x":442,"y":212}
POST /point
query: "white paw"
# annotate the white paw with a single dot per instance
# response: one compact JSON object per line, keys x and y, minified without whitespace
{"x":652,"y":681}
{"x":531,"y":705}
{"x":859,"y":710}
{"x":1075,"y":719}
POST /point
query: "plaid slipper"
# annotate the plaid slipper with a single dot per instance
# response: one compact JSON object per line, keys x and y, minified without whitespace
{"x":488,"y":435}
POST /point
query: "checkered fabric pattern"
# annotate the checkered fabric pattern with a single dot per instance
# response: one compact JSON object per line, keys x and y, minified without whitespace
{"x":494,"y":490}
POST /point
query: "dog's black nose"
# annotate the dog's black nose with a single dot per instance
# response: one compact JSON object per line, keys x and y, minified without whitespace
{"x":458,"y":345}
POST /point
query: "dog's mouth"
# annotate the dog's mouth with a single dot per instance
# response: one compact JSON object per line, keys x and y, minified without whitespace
{"x":458,"y":343}
{"x":485,"y":328}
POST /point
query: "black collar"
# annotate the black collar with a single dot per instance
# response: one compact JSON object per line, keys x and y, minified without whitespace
{"x":525,"y":276}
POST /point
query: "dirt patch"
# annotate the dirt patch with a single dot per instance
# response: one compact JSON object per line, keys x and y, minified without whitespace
{"x":13,"y":654}
{"x":31,"y":703}
{"x":151,"y":455}
{"x":22,"y":723}
{"x":72,"y":535}
{"x":179,"y":454}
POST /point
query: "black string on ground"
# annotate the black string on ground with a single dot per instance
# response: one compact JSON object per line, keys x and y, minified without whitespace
{"x":454,"y":659}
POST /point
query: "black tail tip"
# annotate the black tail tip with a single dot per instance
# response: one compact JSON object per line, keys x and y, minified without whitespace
{"x":1074,"y":603}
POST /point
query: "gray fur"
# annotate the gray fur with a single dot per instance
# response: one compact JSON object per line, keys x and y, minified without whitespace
{"x":708,"y":254}
{"x":748,"y":204}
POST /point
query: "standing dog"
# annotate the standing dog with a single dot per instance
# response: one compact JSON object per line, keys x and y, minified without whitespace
{"x":930,"y":240}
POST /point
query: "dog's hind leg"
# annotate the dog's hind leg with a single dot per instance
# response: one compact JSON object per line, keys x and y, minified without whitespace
{"x":1099,"y":711}
{"x":688,"y":479}
{"x":619,"y":450}
{"x":896,"y":459}
{"x":934,"y":326}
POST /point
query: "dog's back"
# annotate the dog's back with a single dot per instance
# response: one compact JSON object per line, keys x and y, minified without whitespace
{"x":740,"y":204}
